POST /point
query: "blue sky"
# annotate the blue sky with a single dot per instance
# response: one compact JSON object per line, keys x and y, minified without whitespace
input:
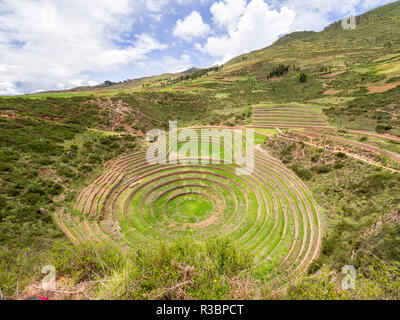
{"x":58,"y":44}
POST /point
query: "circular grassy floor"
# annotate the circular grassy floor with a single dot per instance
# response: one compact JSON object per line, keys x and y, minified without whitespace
{"x":189,"y":208}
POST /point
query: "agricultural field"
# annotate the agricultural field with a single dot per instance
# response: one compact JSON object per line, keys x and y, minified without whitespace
{"x":270,"y":214}
{"x":320,"y":187}
{"x":288,"y":117}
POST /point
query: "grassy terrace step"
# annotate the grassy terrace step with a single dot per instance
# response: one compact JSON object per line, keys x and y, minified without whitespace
{"x":268,"y":213}
{"x":288,"y":121}
{"x":287,"y":113}
{"x":284,"y":116}
{"x":283,"y":126}
{"x":287,"y":117}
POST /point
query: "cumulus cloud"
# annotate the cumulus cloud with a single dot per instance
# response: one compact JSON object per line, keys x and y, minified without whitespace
{"x":155,"y":5}
{"x":317,"y":14}
{"x":49,"y":44}
{"x":191,"y":27}
{"x":227,"y":13}
{"x":256,"y":26}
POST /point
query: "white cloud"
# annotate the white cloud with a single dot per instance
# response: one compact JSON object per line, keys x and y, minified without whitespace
{"x":317,"y":14}
{"x":257,"y":27}
{"x":156,"y":17}
{"x":191,"y":27}
{"x":144,"y":44}
{"x":227,"y":13}
{"x":155,"y":5}
{"x":51,"y":44}
{"x":192,"y":2}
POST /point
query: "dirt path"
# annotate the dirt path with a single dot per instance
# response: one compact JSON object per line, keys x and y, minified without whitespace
{"x":394,"y":156}
{"x":352,"y":155}
{"x":374,"y":134}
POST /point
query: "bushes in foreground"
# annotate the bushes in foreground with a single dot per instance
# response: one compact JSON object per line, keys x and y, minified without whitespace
{"x":182,"y":270}
{"x":211,"y":270}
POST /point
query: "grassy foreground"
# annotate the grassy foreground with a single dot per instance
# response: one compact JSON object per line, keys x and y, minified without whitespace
{"x":186,"y":270}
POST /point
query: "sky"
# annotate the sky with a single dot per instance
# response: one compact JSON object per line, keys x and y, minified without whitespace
{"x":59,"y":44}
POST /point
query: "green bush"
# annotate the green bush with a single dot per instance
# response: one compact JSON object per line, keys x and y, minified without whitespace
{"x":303,"y":173}
{"x":382,"y":128}
{"x":302,"y":77}
{"x":3,"y":203}
{"x":338,"y":165}
{"x":321,"y":169}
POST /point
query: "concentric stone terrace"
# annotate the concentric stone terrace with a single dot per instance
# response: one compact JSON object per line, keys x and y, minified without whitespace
{"x":269,"y":213}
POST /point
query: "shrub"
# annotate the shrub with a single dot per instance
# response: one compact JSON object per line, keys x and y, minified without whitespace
{"x":302,"y":77}
{"x":382,"y":128}
{"x":33,"y":198}
{"x":321,"y":169}
{"x":303,"y":173}
{"x":4,"y":167}
{"x":279,"y":71}
{"x":372,"y":184}
{"x":315,"y":158}
{"x":3,"y":202}
{"x":387,"y":44}
{"x":338,"y":165}
{"x":93,"y":159}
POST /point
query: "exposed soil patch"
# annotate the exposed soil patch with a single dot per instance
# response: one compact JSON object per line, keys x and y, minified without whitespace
{"x":63,"y":291}
{"x":10,"y":114}
{"x":330,"y":92}
{"x":52,"y":118}
{"x":393,"y":217}
{"x":386,"y":87}
{"x":121,"y":115}
{"x":331,"y":75}
{"x":275,"y":80}
{"x":231,"y":79}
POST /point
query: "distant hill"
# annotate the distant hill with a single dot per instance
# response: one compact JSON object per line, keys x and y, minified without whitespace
{"x":375,"y":31}
{"x":331,"y":48}
{"x":189,"y":71}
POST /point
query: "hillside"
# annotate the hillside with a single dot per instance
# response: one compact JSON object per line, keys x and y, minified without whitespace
{"x":76,"y":191}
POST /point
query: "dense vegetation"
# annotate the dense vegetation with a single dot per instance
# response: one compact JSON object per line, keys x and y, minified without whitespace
{"x":379,"y":111}
{"x":361,"y":210}
{"x":182,"y":270}
{"x":43,"y":163}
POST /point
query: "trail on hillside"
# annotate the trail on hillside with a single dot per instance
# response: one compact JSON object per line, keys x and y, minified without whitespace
{"x":334,"y":150}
